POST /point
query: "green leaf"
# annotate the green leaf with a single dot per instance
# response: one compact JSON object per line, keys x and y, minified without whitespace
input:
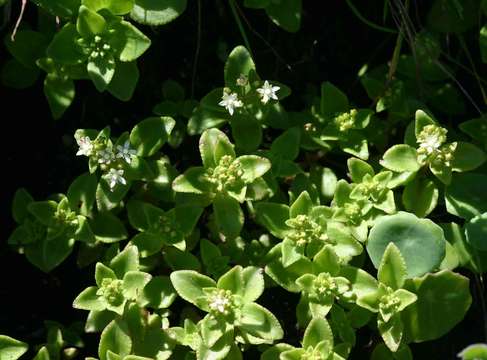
{"x":43,"y":211}
{"x":443,"y":301}
{"x":228,"y":215}
{"x":134,"y":282}
{"x":392,"y":269}
{"x":150,"y":134}
{"x":473,"y":352}
{"x":333,"y":100}
{"x":27,"y":47}
{"x":64,"y":47}
{"x":391,"y":332}
{"x":81,"y":193}
{"x":115,"y":337}
{"x":157,"y":12}
{"x":132,"y":42}
{"x":11,"y":349}
{"x":148,"y":243}
{"x":401,"y":158}
{"x":232,"y":280}
{"x":467,"y":157}
{"x":20,"y":203}
{"x":88,"y":300}
{"x":181,"y":260}
{"x":239,"y":63}
{"x":422,"y":119}
{"x":190,"y":284}
{"x":193,"y":181}
{"x":253,"y":283}
{"x":61,"y":8}
{"x":358,"y":169}
{"x":103,"y":272}
{"x":466,"y":196}
{"x":420,"y":196}
{"x":302,"y":206}
{"x":408,"y":233}
{"x":101,"y":71}
{"x":124,"y":81}
{"x":89,"y":23}
{"x":273,"y":216}
{"x":363,"y":284}
{"x":286,"y":14}
{"x":253,"y":167}
{"x":260,"y":322}
{"x":127,"y":260}
{"x":247,"y":132}
{"x":42,"y":354}
{"x":108,"y":228}
{"x":48,"y":254}
{"x":59,"y":93}
{"x":208,"y":114}
{"x":17,"y":76}
{"x":116,"y":7}
{"x":158,"y":293}
{"x":317,"y":331}
{"x":213,"y":145}
{"x":286,"y":145}
{"x":476,"y":232}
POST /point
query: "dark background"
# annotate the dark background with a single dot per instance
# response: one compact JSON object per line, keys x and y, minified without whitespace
{"x":38,"y":153}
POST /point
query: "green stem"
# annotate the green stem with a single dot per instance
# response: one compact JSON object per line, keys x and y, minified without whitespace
{"x":397,"y":50}
{"x":233,"y":7}
{"x":368,"y":22}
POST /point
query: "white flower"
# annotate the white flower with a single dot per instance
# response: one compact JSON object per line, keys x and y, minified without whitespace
{"x":115,"y":176}
{"x":230,"y":101}
{"x":267,"y":91}
{"x":219,"y":303}
{"x":85,"y":146}
{"x":106,"y":156}
{"x":125,"y":152}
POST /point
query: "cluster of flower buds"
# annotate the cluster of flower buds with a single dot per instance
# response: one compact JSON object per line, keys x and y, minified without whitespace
{"x":346,"y":120}
{"x":304,"y":230}
{"x":227,"y":175}
{"x":432,"y":147}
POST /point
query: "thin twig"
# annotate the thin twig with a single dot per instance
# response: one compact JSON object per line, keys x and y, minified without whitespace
{"x":197,"y":50}
{"x":368,"y":22}
{"x":233,"y":7}
{"x":19,"y":19}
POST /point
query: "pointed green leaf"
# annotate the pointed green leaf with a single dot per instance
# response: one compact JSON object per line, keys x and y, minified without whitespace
{"x":150,"y":134}
{"x":133,"y":43}
{"x":392,"y":268}
{"x":127,"y":260}
{"x":157,"y":12}
{"x":115,"y":337}
{"x":190,"y":284}
{"x":260,"y":322}
{"x":11,"y":349}
{"x":239,"y":62}
{"x":253,"y":167}
{"x":89,"y":23}
{"x":333,"y":100}
{"x":317,"y":331}
{"x":401,"y":158}
{"x":88,"y":300}
{"x":228,"y":215}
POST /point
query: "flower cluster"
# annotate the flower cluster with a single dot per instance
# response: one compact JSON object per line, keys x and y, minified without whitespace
{"x":227,"y":175}
{"x":432,"y":147}
{"x":304,"y":230}
{"x":111,"y":161}
{"x":230,"y":100}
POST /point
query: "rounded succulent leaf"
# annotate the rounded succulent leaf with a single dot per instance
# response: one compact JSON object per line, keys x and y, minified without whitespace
{"x":409,"y":234}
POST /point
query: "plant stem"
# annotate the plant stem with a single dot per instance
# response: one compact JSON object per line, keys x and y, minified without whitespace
{"x":233,"y":7}
{"x":368,"y":22}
